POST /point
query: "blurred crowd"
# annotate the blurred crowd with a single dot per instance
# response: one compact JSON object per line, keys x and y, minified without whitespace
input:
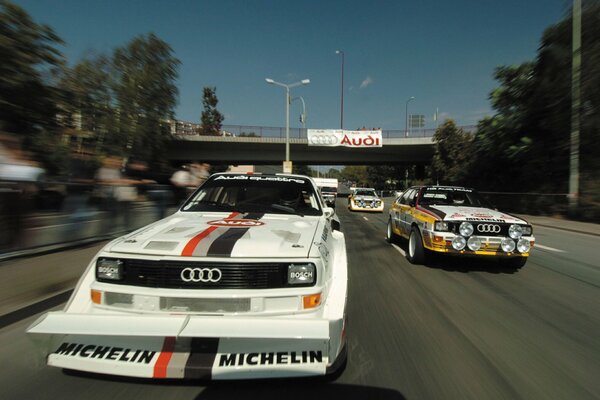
{"x":116,"y":188}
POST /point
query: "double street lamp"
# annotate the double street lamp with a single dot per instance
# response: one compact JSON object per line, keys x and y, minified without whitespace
{"x":288,"y":100}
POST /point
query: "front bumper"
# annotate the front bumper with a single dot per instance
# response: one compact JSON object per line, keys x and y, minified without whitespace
{"x":441,"y":242}
{"x":353,"y":206}
{"x":190,"y":347}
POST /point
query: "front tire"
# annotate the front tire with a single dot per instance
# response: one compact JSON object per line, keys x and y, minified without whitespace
{"x":390,"y":236}
{"x":416,"y":250}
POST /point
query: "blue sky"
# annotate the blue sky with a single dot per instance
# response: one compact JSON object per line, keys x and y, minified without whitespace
{"x":441,"y":52}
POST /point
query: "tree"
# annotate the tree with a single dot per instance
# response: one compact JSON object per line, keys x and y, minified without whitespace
{"x":87,"y":99}
{"x":451,"y":155}
{"x":29,"y":61}
{"x":145,"y":93}
{"x":211,"y":118}
{"x":356,"y":173}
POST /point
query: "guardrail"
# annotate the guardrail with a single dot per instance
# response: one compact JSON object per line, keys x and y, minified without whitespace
{"x":62,"y":213}
{"x":300,"y":133}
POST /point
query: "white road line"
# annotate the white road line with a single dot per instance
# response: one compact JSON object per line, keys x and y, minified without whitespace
{"x":539,"y":246}
{"x":399,"y":249}
{"x":366,"y":219}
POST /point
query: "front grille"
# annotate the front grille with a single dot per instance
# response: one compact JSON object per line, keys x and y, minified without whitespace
{"x":167,"y":274}
{"x":503,"y":228}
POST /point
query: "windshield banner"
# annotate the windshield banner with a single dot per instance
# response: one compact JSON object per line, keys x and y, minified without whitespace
{"x":338,"y":137}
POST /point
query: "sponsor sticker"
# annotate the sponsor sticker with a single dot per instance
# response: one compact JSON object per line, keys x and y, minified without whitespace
{"x":258,"y":178}
{"x":271,"y":358}
{"x":236,"y":223}
{"x":106,"y":353}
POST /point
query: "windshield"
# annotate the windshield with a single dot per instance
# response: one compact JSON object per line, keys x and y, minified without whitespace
{"x":328,"y":189}
{"x":255,"y":193}
{"x":451,"y":197}
{"x":365,"y":193}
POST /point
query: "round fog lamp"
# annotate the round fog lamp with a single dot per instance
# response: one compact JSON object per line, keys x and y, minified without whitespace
{"x":523,"y":246}
{"x":466,"y":229}
{"x":515,"y":231}
{"x":508,"y":245}
{"x":459,"y":243}
{"x":474,"y":243}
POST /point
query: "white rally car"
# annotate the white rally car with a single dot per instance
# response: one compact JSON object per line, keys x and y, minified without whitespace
{"x":364,"y":199}
{"x":247,"y":280}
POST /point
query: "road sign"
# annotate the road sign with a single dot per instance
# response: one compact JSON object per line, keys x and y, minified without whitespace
{"x":416,"y":121}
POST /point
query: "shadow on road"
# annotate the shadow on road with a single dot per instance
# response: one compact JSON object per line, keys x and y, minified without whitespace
{"x":262,"y":389}
{"x":468,"y":264}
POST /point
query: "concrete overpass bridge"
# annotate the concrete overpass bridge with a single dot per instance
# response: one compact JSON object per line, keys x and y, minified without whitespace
{"x":269,"y":149}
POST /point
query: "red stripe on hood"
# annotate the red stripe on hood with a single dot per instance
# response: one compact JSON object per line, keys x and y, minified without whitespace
{"x":189,"y":248}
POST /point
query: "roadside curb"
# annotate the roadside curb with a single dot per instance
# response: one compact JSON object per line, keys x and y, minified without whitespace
{"x":34,"y":308}
{"x":40,"y":251}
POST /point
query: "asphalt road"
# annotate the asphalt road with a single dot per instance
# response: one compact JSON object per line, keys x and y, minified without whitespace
{"x":452,"y":329}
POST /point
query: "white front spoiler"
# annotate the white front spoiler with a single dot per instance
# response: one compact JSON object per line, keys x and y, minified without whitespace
{"x":186,"y":346}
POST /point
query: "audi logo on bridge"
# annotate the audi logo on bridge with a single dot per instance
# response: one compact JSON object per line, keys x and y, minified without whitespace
{"x":488,"y":228}
{"x":324,"y":139}
{"x":201,"y":275}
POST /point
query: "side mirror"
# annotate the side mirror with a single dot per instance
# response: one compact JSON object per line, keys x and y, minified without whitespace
{"x":412,"y":203}
{"x":328,"y":211}
{"x":335,"y":225}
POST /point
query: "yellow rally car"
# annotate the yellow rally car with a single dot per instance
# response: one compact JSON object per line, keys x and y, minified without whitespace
{"x":455,"y":220}
{"x":364,"y":199}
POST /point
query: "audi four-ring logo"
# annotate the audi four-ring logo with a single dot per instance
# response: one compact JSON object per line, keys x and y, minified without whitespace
{"x":488,"y":228}
{"x":324,"y":139}
{"x":201,"y":275}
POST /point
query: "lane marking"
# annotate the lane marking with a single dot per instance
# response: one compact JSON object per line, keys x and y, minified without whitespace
{"x":539,"y":246}
{"x":399,"y":249}
{"x":366,"y":219}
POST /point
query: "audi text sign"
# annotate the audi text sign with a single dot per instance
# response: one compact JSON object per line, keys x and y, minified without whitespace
{"x":338,"y":137}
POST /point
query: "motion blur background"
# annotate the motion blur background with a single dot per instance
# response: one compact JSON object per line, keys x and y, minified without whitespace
{"x":83,"y":140}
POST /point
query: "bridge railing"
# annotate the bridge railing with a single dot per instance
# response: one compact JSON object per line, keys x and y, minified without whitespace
{"x":300,"y":133}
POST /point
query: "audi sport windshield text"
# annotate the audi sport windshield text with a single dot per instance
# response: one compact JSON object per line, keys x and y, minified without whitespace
{"x":256,"y":193}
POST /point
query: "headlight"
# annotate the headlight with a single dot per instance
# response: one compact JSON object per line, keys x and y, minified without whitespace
{"x":523,"y":245}
{"x":474,"y":243}
{"x":459,"y":243}
{"x":466,"y":229}
{"x":515,"y":231}
{"x":109,"y":269}
{"x":441,"y":226}
{"x":301,"y":274}
{"x":527,"y":230}
{"x":508,"y":245}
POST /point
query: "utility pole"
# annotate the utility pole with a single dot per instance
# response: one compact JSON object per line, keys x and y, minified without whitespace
{"x":575,"y":110}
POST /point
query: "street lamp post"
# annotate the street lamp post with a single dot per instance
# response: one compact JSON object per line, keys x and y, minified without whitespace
{"x":342,"y":98}
{"x":406,"y":115}
{"x":303,"y":116}
{"x":287,"y":110}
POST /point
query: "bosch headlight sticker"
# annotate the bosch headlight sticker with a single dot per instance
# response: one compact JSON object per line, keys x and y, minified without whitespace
{"x":108,"y":269}
{"x":301,"y":274}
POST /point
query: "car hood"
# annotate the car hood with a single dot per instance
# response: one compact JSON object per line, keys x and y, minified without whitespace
{"x":458,"y":213}
{"x":223,"y":235}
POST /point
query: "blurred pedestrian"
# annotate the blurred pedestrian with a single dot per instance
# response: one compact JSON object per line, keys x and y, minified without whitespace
{"x":117,"y":191}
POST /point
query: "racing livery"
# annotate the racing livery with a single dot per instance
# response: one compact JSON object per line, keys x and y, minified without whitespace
{"x":454,"y":220}
{"x":364,"y":199}
{"x":247,"y":280}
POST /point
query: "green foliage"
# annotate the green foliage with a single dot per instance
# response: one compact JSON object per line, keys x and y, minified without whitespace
{"x":452,"y":154}
{"x":211,"y":118}
{"x":144,"y":87}
{"x":29,"y":58}
{"x":356,"y":173}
